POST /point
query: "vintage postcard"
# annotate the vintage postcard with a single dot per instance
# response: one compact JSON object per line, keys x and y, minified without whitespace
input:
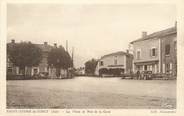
{"x":91,"y":58}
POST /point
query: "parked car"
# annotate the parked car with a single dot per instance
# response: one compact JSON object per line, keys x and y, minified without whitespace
{"x":41,"y":75}
{"x":147,"y":75}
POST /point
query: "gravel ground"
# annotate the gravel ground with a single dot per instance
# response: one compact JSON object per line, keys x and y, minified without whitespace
{"x":86,"y":92}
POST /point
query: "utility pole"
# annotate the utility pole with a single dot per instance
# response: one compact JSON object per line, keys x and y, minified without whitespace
{"x":67,"y":45}
{"x":73,"y":56}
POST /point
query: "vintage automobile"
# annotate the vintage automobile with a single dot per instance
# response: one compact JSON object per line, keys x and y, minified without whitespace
{"x":41,"y":75}
{"x":147,"y":75}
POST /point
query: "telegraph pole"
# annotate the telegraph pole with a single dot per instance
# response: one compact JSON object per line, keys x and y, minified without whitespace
{"x":67,"y":45}
{"x":73,"y":56}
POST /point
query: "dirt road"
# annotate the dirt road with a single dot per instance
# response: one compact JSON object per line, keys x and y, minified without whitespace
{"x":90,"y":92}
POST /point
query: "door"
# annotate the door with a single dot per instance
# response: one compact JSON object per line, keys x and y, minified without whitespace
{"x":145,"y":67}
{"x":35,"y":71}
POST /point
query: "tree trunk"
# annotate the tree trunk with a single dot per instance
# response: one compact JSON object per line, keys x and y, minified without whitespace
{"x":58,"y":72}
{"x":28,"y":71}
{"x":22,"y":69}
{"x":67,"y":75}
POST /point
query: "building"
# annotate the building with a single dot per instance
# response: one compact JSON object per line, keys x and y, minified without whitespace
{"x":80,"y":71}
{"x":43,"y":65}
{"x":42,"y":68}
{"x":156,"y":52}
{"x":115,"y":63}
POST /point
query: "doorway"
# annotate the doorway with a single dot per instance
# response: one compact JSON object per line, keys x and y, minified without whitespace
{"x":145,"y":67}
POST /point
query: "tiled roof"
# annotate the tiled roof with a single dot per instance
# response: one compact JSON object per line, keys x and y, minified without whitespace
{"x":116,"y":53}
{"x":158,"y":34}
{"x":45,"y":48}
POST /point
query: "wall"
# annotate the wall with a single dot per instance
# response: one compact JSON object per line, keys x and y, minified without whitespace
{"x":43,"y":64}
{"x":145,"y":48}
{"x":172,"y":58}
{"x":109,"y":60}
{"x":129,"y":61}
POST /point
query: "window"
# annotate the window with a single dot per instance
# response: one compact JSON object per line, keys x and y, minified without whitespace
{"x":153,"y":52}
{"x":167,"y":49}
{"x":138,"y":54}
{"x":35,"y":71}
{"x":175,"y":45}
{"x":10,"y":70}
{"x":115,"y":62}
{"x":145,"y":67}
{"x":101,"y":63}
{"x":138,"y":68}
{"x":168,"y":68}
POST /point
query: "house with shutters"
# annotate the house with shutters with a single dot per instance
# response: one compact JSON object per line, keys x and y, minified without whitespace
{"x":156,"y":52}
{"x":42,"y":68}
{"x":115,"y":63}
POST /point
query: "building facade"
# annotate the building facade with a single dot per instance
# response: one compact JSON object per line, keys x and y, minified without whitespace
{"x":43,"y":67}
{"x":80,"y":71}
{"x":118,"y":60}
{"x":156,"y":52}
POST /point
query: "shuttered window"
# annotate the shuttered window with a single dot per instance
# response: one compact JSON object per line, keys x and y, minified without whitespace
{"x":175,"y":45}
{"x":115,"y":62}
{"x":168,"y":68}
{"x":138,"y":54}
{"x":153,"y":52}
{"x":167,"y":49}
{"x":101,"y":63}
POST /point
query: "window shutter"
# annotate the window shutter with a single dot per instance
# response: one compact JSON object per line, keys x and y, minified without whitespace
{"x":150,"y":52}
{"x":156,"y":51}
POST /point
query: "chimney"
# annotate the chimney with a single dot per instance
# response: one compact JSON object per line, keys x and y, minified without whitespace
{"x":55,"y":45}
{"x":45,"y":43}
{"x":60,"y":46}
{"x":144,"y":34}
{"x":13,"y":41}
{"x":175,"y":24}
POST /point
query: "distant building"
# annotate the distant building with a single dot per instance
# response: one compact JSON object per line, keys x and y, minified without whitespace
{"x":80,"y":71}
{"x":42,"y":68}
{"x":120,"y":62}
{"x":43,"y":65}
{"x":156,"y":52}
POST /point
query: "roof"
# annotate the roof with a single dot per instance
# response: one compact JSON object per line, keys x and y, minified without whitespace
{"x":44,"y":48}
{"x":117,"y":53}
{"x":158,"y":34}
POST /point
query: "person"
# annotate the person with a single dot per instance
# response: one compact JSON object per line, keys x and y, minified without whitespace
{"x":138,"y":74}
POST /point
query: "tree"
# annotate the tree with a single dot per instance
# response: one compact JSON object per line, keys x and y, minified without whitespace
{"x":90,"y":66}
{"x":24,"y":54}
{"x":60,"y":59}
{"x":103,"y":71}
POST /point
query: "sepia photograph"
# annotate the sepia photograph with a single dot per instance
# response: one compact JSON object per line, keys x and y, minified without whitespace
{"x":91,"y":56}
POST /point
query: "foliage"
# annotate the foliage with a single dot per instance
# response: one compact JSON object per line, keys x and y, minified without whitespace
{"x":103,"y":71}
{"x":114,"y":71}
{"x":60,"y":59}
{"x":24,"y":54}
{"x":90,"y":66}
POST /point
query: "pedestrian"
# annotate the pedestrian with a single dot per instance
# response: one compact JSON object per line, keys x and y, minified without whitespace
{"x":138,"y":74}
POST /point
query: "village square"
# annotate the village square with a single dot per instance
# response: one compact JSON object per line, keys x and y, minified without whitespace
{"x":48,"y":74}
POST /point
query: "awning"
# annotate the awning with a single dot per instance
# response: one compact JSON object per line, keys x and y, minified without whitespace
{"x":146,"y":63}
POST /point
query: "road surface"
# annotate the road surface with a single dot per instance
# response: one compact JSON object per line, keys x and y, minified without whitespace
{"x":91,"y":92}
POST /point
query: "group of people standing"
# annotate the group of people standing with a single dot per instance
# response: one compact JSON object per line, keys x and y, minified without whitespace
{"x":146,"y":75}
{"x":138,"y":76}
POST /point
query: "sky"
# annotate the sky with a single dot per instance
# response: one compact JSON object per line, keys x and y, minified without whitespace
{"x":92,"y":29}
